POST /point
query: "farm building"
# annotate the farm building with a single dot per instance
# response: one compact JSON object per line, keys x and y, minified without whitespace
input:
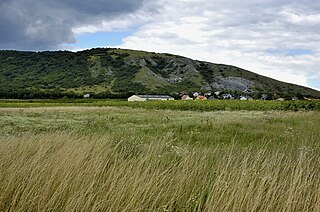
{"x":141,"y":98}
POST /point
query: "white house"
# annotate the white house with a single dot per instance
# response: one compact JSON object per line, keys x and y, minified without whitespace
{"x":227,"y":96}
{"x":186,"y":97}
{"x":244,"y":98}
{"x":196,"y":94}
{"x":217,"y":93}
{"x":142,"y":98}
{"x":207,"y":94}
{"x":86,"y":96}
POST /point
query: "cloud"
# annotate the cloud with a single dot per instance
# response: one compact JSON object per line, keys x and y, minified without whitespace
{"x":279,"y":39}
{"x":46,"y":24}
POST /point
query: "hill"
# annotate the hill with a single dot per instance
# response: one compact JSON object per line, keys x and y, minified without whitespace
{"x":107,"y":72}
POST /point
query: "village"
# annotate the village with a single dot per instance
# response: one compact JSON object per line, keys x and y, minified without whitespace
{"x":218,"y":95}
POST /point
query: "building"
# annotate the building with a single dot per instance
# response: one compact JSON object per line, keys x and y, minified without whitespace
{"x":196,"y":94}
{"x":207,"y":94}
{"x":227,"y":96}
{"x":264,"y":97}
{"x":217,"y":93}
{"x":186,"y":97}
{"x":86,"y":96}
{"x":200,"y":97}
{"x":244,"y":98}
{"x":142,"y":98}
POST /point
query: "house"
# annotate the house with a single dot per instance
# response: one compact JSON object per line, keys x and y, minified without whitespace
{"x":86,"y":96}
{"x":227,"y":96}
{"x":208,"y":94}
{"x":200,"y":97}
{"x":186,"y":97}
{"x":196,"y":94}
{"x":281,"y":99}
{"x":217,"y":93}
{"x":264,"y":97}
{"x":142,"y":98}
{"x":244,"y":98}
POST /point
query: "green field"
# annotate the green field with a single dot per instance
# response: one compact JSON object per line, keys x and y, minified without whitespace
{"x":197,"y":105}
{"x":94,"y":156}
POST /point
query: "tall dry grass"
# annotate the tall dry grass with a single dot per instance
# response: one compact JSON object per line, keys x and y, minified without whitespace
{"x":68,"y":171}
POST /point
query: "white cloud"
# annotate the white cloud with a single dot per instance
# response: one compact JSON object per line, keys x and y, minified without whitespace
{"x":301,"y":18}
{"x":112,"y":25}
{"x":239,"y":33}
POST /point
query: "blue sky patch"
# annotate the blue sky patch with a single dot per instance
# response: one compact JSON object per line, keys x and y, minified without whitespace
{"x":314,"y":83}
{"x":100,"y":39}
{"x":289,"y":52}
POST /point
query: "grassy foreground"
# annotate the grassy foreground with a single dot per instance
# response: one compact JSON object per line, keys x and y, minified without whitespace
{"x":124,"y":159}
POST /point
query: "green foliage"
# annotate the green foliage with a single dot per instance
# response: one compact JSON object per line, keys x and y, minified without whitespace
{"x":206,"y":72}
{"x":47,"y":74}
{"x":216,"y":105}
{"x":55,"y":74}
{"x":160,"y":66}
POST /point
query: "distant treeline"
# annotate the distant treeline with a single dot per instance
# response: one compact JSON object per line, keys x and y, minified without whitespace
{"x":58,"y":94}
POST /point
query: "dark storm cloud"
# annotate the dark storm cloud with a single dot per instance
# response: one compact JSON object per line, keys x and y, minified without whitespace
{"x":103,"y":6}
{"x":39,"y":25}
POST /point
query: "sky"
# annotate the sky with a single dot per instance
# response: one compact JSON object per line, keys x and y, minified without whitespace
{"x":274,"y":38}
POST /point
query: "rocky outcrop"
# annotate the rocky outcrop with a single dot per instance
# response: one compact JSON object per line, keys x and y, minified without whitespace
{"x":231,"y":83}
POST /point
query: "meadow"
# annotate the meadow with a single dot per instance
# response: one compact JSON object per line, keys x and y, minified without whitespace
{"x":60,"y":156}
{"x":197,"y":105}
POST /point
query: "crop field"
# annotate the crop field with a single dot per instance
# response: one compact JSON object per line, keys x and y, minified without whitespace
{"x":94,"y":156}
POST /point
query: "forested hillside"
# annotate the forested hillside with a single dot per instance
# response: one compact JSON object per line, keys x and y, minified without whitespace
{"x":116,"y":73}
